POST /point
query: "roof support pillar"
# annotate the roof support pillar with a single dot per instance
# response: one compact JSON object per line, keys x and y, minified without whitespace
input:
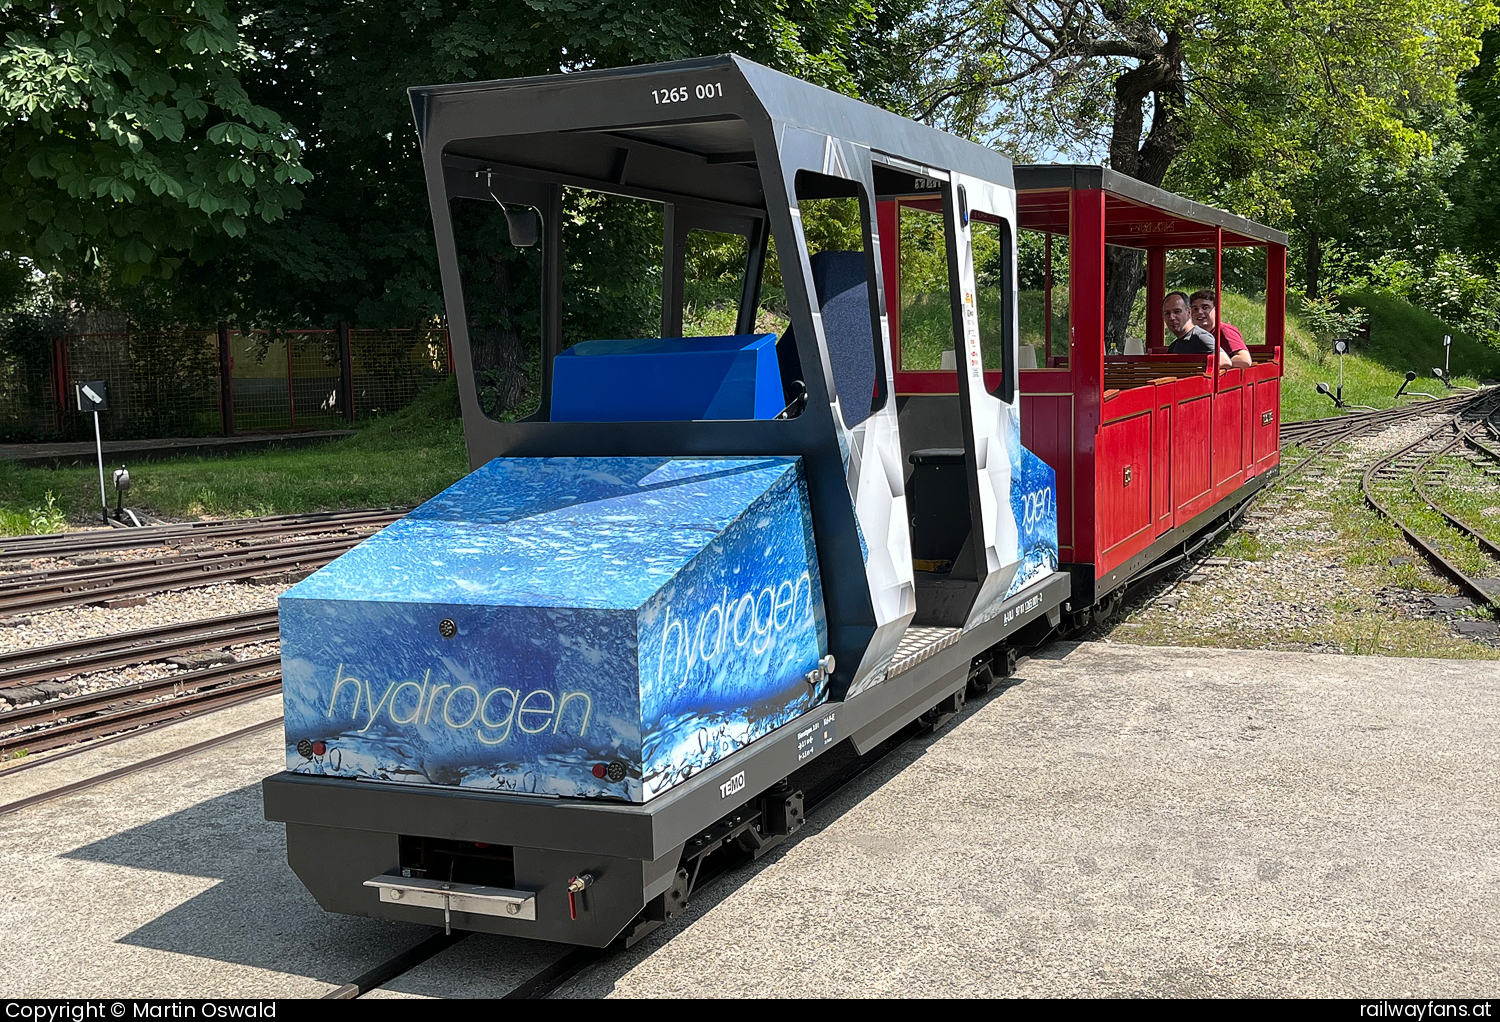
{"x":1218,"y":301}
{"x":1156,"y":293}
{"x":1276,"y":296}
{"x":1086,"y":348}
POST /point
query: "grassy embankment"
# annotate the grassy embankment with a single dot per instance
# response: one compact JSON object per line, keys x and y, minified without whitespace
{"x":1402,"y":337}
{"x":396,"y":461}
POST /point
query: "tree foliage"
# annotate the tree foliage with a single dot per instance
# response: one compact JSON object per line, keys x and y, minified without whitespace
{"x":1252,"y":104}
{"x":361,"y":249}
{"x":128,"y":134}
{"x":1475,"y":186}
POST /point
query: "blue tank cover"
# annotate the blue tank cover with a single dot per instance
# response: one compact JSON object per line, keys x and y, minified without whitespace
{"x":668,"y":379}
{"x":565,"y":626}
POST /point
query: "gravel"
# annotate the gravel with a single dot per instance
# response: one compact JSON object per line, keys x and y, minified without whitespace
{"x":1305,"y":578}
{"x":161,"y":609}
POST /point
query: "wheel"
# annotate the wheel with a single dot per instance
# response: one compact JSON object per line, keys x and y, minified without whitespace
{"x":981,"y":679}
{"x":1075,"y":623}
{"x":1108,"y":609}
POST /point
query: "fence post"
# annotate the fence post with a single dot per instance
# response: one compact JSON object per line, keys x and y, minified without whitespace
{"x":346,"y":373}
{"x":291,"y":391}
{"x":226,"y":381}
{"x":60,"y":383}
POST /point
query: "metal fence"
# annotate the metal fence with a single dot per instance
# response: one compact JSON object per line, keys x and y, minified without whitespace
{"x":222,"y":381}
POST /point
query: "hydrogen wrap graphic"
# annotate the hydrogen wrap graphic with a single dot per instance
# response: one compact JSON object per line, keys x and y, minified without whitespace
{"x":565,"y":626}
{"x":1033,"y":501}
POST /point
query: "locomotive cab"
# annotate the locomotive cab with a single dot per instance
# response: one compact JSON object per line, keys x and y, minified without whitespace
{"x":684,"y":565}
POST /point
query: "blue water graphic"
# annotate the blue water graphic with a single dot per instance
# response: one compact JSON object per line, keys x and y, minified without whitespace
{"x":639,"y":618}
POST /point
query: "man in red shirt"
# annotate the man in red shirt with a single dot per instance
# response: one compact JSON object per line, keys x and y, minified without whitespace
{"x":1206,"y":315}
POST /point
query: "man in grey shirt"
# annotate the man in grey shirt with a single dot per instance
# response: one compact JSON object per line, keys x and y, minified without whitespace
{"x":1191,"y":339}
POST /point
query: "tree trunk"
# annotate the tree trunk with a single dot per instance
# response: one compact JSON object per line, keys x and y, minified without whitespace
{"x":1124,"y":272}
{"x":1313,"y":260}
{"x":1160,"y":80}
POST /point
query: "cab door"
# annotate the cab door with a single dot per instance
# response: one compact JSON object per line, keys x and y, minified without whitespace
{"x":955,"y":354}
{"x":981,"y":219}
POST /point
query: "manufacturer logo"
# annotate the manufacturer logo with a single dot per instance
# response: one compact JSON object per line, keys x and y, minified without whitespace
{"x":734,"y":784}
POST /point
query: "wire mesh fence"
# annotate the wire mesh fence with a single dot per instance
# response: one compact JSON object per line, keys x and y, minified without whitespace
{"x":28,"y":397}
{"x":391,"y":367}
{"x":185,"y":383}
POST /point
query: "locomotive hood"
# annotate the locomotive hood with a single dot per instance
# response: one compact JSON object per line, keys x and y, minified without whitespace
{"x":568,"y":626}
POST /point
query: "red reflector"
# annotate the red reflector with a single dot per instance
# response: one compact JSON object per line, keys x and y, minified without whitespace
{"x":600,"y":770}
{"x":319,"y":748}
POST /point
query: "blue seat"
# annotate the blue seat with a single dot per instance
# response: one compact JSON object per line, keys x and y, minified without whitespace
{"x":844,"y":297}
{"x":668,"y":379}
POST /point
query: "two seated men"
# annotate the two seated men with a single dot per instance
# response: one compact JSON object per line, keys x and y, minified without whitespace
{"x":1194,"y":322}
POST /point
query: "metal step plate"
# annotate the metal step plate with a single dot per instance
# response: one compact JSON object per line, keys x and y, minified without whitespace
{"x":444,"y":894}
{"x":920,"y":643}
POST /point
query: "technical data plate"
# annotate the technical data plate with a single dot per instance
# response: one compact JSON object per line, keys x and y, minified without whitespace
{"x":817,"y":735}
{"x":920,"y":643}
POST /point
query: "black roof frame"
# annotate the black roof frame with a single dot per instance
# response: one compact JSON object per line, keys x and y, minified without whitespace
{"x":536,"y":135}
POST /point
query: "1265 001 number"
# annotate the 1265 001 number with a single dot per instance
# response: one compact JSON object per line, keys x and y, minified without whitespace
{"x":683,"y":93}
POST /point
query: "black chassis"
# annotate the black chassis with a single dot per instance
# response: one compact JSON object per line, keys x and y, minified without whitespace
{"x":341,"y":832}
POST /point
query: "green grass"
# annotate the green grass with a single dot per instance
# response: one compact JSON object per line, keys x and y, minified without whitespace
{"x":43,"y":518}
{"x":398,"y":460}
{"x":1469,"y":495}
{"x":1402,"y":337}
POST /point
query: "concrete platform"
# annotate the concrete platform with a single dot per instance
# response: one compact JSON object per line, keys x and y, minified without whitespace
{"x":1123,"y":820}
{"x":1140,"y":821}
{"x":168,"y":883}
{"x":84,"y":453}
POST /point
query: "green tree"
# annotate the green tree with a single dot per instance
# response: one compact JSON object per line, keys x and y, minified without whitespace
{"x":1476,"y":185}
{"x":128,"y":135}
{"x":361,"y":247}
{"x":1257,"y":91}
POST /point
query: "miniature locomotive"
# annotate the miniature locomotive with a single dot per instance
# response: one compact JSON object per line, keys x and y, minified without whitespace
{"x":695,"y":556}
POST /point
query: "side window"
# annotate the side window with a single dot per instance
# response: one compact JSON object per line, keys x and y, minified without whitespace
{"x":836,"y":223}
{"x":611,"y":267}
{"x":502,"y":292}
{"x":926,"y":328}
{"x":991,"y":238}
{"x":1043,"y":297}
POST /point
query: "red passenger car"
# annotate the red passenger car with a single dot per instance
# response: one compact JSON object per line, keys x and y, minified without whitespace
{"x":1150,"y":448}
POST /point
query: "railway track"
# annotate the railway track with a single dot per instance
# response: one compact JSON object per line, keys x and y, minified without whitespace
{"x":68,"y":544}
{"x":1318,"y":438}
{"x":38,"y":592}
{"x":124,"y":649}
{"x":59,"y":722}
{"x":280,"y":544}
{"x":1317,"y":432}
{"x":1399,"y":488}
